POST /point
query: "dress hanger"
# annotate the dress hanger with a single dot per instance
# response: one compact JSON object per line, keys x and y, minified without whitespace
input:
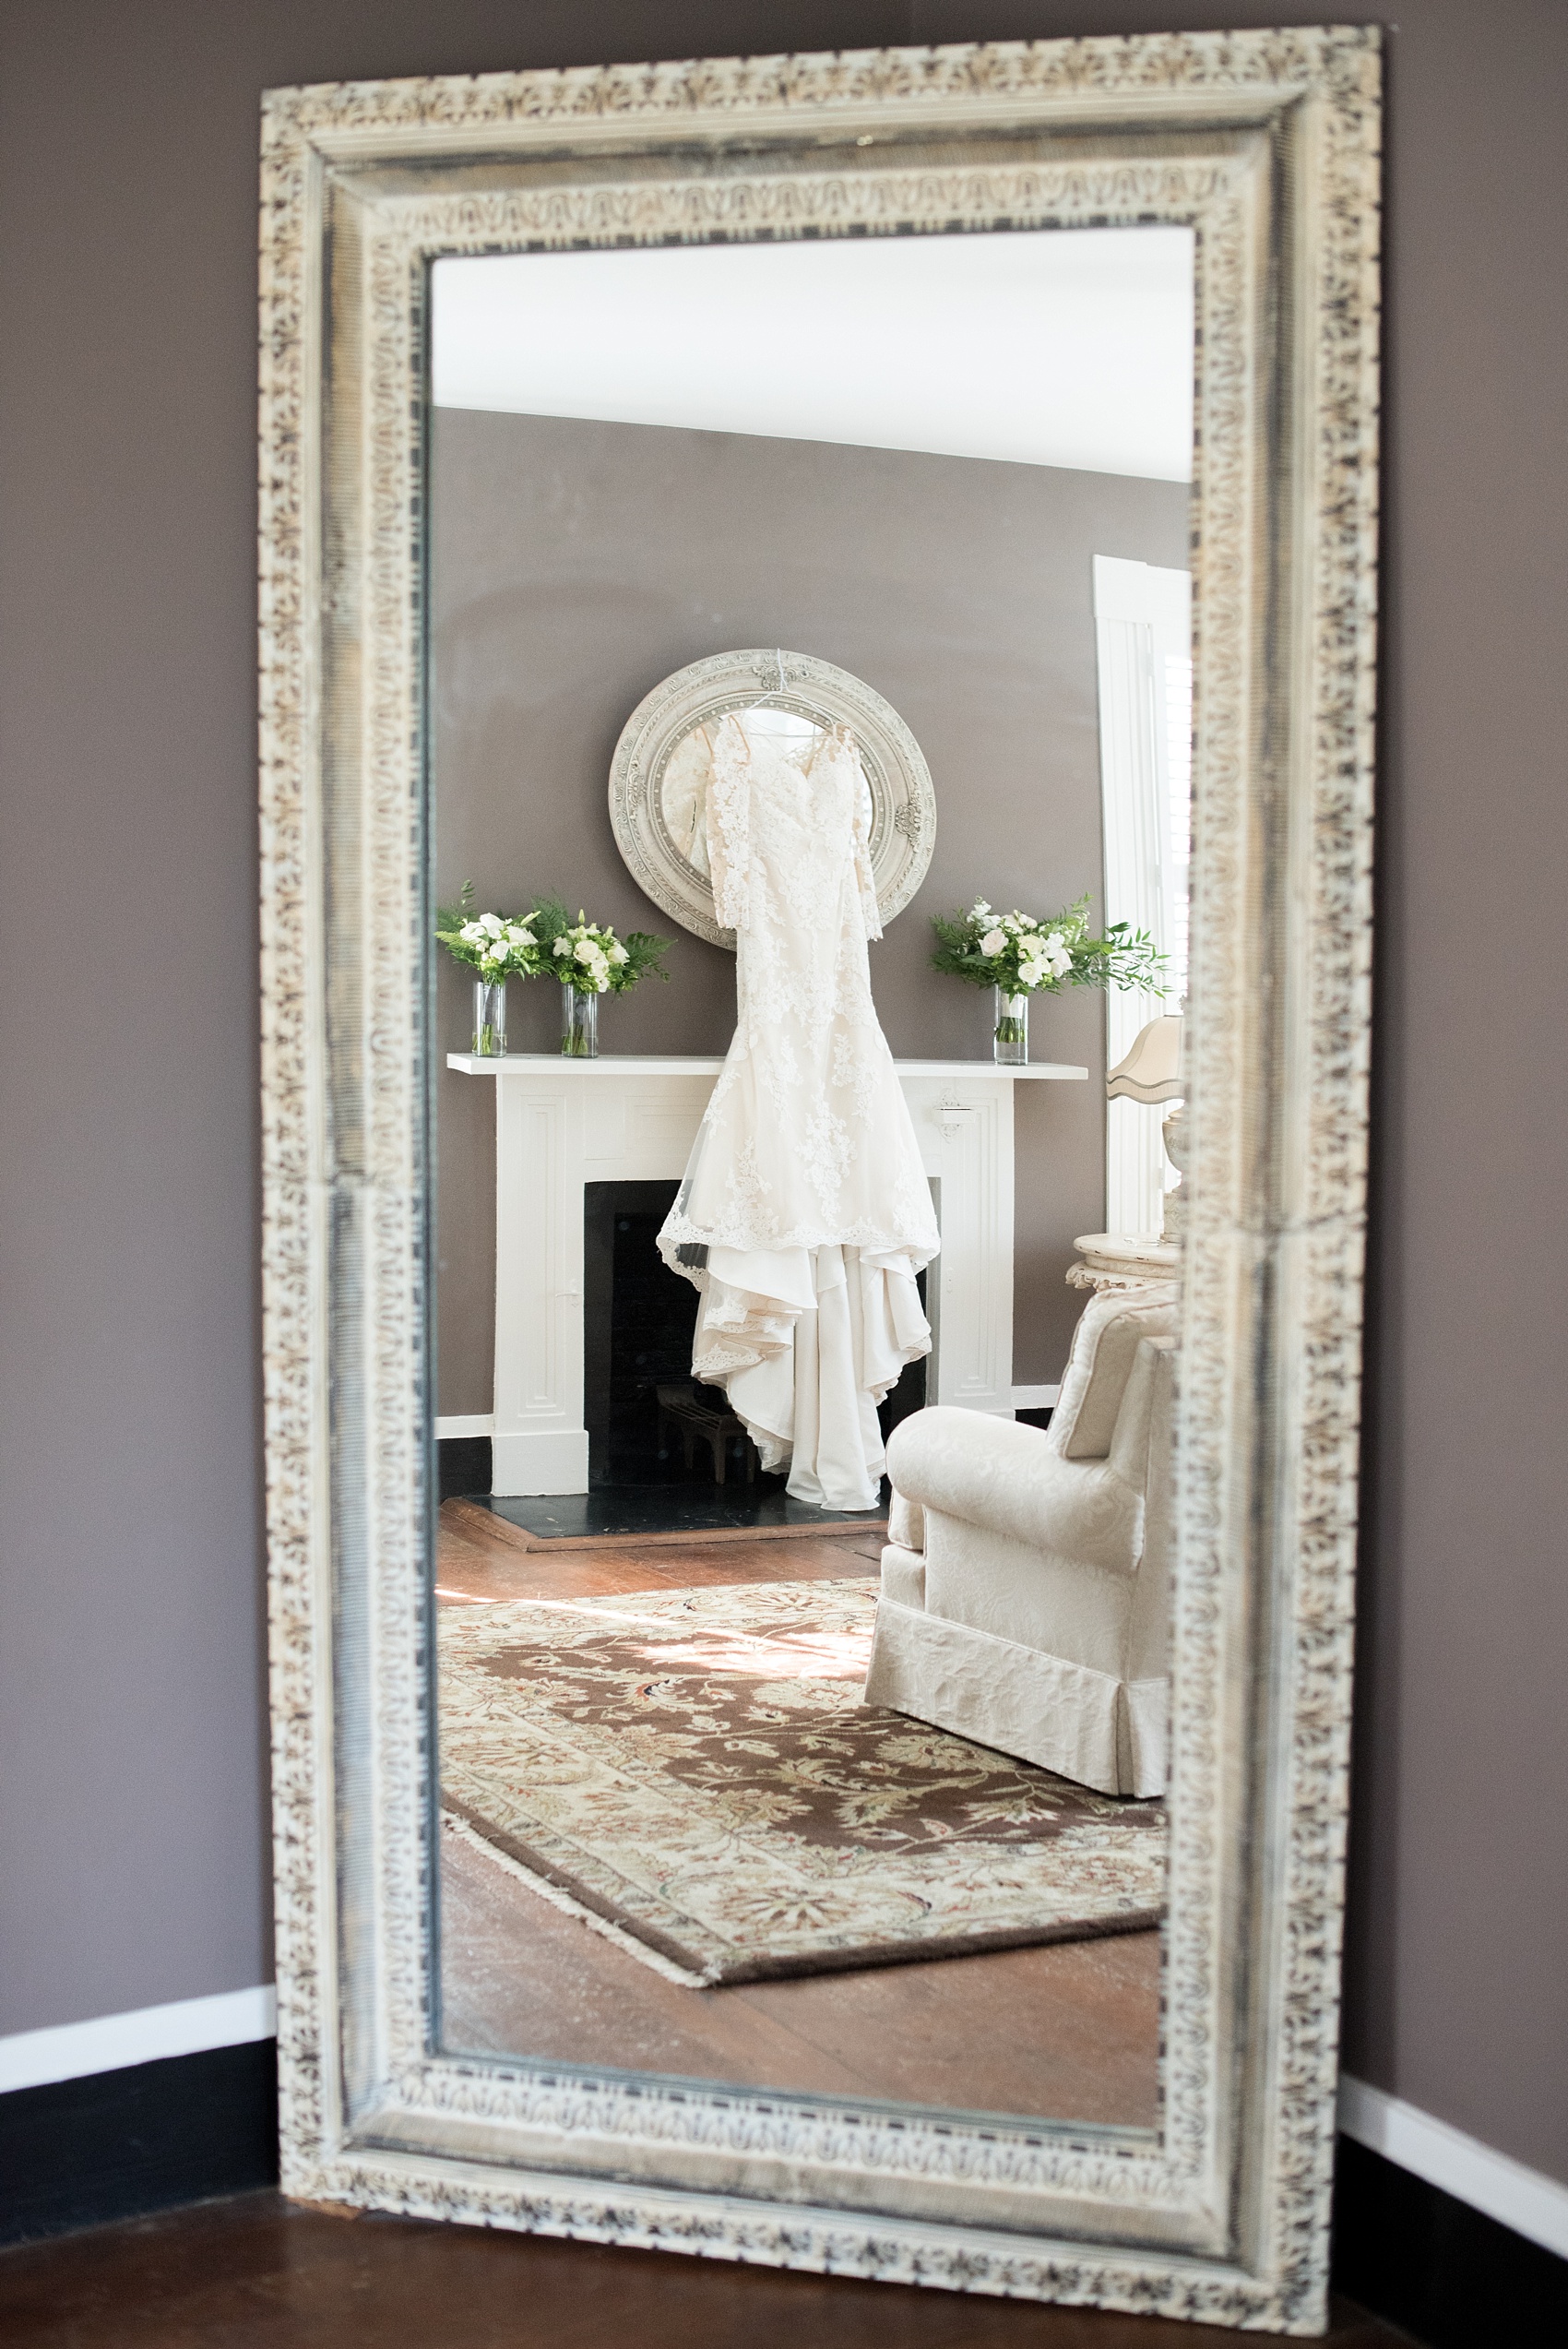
{"x":792,"y":717}
{"x":777,"y":693}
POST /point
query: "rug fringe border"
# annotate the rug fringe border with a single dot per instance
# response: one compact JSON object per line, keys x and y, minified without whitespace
{"x":872,"y":1958}
{"x":559,"y":1899}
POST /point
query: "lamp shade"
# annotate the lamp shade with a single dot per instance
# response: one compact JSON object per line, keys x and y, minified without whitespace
{"x":1152,"y":1071}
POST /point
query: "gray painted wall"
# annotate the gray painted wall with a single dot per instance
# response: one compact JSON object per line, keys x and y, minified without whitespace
{"x":574,"y":565}
{"x":132,"y":1811}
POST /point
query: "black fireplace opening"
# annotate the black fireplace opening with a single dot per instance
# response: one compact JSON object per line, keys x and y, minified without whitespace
{"x":648,"y":1422}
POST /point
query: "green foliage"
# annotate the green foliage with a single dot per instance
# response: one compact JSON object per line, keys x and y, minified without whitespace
{"x":495,"y":945}
{"x":590,"y":957}
{"x":1022,"y":956}
{"x":546,"y":944}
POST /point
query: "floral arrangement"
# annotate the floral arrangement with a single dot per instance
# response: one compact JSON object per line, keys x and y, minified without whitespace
{"x":498,"y":945}
{"x":548,"y":944}
{"x":1019,"y":956}
{"x":589,"y":956}
{"x":588,"y":959}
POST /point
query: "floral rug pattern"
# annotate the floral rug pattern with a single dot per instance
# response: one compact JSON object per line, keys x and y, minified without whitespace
{"x":696,"y":1766}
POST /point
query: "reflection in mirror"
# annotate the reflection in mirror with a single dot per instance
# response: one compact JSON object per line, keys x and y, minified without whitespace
{"x":682,"y":796}
{"x":665,"y":797}
{"x":805,"y":1413}
{"x":687,"y":779}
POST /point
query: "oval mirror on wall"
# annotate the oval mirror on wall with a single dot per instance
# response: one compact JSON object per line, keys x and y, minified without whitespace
{"x":659,"y":776}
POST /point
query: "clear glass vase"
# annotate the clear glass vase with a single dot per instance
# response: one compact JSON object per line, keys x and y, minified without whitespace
{"x":579,"y":1025}
{"x":490,"y":1018}
{"x":1010,"y":1024}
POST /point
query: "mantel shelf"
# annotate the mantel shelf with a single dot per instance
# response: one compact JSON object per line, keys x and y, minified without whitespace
{"x":537,"y":1063}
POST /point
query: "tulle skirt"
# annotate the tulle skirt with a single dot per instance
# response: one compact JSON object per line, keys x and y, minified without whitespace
{"x":806,"y":1343}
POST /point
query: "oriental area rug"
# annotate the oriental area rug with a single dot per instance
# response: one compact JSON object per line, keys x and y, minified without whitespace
{"x":695,"y":1768}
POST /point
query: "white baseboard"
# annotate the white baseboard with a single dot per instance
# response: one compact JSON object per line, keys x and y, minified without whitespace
{"x":109,"y":2042}
{"x":1036,"y":1398}
{"x":551,"y":1461}
{"x":1531,"y":2203}
{"x":473,"y":1423}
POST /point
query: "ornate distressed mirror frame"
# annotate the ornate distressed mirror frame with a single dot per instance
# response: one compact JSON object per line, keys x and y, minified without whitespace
{"x":1266,"y":144}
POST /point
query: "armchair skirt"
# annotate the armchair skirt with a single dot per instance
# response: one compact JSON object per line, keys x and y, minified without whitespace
{"x":1024,"y":1590}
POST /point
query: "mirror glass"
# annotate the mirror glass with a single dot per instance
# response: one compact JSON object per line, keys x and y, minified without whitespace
{"x":781,"y":594}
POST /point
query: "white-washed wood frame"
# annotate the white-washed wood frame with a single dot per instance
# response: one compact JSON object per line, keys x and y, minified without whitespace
{"x":1266,"y":143}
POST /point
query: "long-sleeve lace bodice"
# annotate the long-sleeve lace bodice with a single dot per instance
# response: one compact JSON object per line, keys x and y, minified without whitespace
{"x":806,"y":1139}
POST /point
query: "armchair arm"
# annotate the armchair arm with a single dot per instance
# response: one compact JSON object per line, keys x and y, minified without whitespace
{"x":1006,"y":1479}
{"x":906,"y":1522}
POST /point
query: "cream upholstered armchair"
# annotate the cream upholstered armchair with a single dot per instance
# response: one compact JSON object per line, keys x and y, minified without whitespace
{"x":1024,"y":1587}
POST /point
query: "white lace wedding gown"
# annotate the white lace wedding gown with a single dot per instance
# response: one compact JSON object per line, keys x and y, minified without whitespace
{"x":805,"y":1213}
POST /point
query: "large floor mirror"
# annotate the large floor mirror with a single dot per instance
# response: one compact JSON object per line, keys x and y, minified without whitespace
{"x":680,"y":1837}
{"x":817,"y":746}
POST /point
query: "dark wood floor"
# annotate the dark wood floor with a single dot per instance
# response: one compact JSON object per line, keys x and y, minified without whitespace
{"x":257,"y":2272}
{"x":1069,"y":2031}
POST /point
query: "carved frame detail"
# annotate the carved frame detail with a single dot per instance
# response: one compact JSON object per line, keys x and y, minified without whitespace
{"x":1267,"y":145}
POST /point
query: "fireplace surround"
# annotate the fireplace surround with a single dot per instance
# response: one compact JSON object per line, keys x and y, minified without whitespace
{"x":562,"y":1124}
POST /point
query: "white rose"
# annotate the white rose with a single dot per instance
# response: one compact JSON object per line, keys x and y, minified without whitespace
{"x":993,"y":941}
{"x":585,"y":950}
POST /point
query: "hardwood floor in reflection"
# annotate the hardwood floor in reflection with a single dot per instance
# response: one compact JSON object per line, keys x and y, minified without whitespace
{"x":1069,"y":2030}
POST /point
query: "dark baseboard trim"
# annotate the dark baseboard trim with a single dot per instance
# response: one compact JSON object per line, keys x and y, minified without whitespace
{"x":1438,"y":2269}
{"x":462,"y":1465}
{"x":118,"y":2144}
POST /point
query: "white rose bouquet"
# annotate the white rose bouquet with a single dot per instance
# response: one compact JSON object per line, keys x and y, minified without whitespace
{"x":498,"y":945}
{"x":1020,"y":956}
{"x":587,"y":956}
{"x":590,"y":960}
{"x":495,"y":946}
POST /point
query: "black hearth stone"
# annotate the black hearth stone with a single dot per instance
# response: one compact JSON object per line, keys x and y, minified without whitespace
{"x":638,"y":1321}
{"x":630,"y":1509}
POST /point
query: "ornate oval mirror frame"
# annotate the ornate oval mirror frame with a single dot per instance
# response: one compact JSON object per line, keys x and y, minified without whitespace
{"x":1266,"y":145}
{"x":903,"y":822}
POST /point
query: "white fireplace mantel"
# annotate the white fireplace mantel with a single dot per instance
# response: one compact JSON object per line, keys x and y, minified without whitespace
{"x":563,"y":1124}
